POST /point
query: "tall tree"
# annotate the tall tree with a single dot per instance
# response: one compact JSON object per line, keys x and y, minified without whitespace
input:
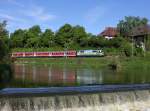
{"x":64,"y":35}
{"x":17,"y":38}
{"x":47,"y":38}
{"x":79,"y":35}
{"x":3,"y":32}
{"x":126,"y":26}
{"x":4,"y":46}
{"x":33,"y":36}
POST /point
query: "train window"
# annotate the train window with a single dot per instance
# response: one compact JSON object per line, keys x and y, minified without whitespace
{"x":82,"y":51}
{"x":94,"y":51}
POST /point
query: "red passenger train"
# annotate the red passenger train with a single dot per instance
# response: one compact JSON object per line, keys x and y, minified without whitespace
{"x":45,"y":54}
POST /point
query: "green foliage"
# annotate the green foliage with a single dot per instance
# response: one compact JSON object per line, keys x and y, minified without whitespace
{"x":68,"y":35}
{"x":127,"y":49}
{"x":111,"y":51}
{"x":97,"y":41}
{"x":138,"y":51}
{"x":33,"y":35}
{"x":64,"y":35}
{"x":126,"y":26}
{"x":47,"y":39}
{"x":117,"y":42}
{"x":4,"y":42}
{"x":17,"y":38}
{"x":79,"y":35}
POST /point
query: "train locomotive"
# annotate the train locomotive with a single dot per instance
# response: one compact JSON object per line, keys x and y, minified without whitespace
{"x":80,"y":53}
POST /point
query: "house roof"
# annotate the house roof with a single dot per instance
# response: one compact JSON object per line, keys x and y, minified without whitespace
{"x":109,"y":31}
{"x":141,"y":30}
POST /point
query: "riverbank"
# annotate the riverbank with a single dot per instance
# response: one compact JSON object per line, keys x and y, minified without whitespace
{"x":95,"y":62}
{"x":98,"y":62}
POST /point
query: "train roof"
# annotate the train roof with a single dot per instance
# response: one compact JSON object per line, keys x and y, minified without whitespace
{"x":90,"y":50}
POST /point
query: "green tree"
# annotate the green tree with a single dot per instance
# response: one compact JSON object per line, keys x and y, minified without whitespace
{"x":4,"y":41}
{"x":96,"y":41}
{"x":17,"y":39}
{"x":79,"y":35}
{"x":117,"y":42}
{"x":127,"y":48}
{"x":33,"y":36}
{"x":64,"y":35}
{"x":47,"y":38}
{"x":126,"y":26}
{"x":4,"y":33}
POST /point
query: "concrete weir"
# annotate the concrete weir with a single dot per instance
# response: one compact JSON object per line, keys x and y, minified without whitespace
{"x":84,"y":98}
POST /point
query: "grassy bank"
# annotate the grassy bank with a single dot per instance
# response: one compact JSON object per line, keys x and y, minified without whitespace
{"x":98,"y":62}
{"x":72,"y":62}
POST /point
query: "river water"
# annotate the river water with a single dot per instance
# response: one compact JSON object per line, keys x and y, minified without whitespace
{"x":30,"y":76}
{"x":54,"y":75}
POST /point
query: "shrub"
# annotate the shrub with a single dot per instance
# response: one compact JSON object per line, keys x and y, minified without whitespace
{"x":127,"y":49}
{"x":139,"y":52}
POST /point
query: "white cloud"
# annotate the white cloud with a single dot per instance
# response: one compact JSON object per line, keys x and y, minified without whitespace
{"x":10,"y":18}
{"x":95,"y":14}
{"x":38,"y":13}
{"x":25,"y":17}
{"x":5,"y":16}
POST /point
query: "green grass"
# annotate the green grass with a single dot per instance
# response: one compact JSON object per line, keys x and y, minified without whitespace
{"x":98,"y":62}
{"x":94,"y":62}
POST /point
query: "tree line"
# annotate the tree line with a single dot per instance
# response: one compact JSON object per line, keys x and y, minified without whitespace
{"x":68,"y":36}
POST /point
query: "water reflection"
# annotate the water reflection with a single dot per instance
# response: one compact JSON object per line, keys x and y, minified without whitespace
{"x":55,"y":74}
{"x":44,"y":74}
{"x":89,"y":76}
{"x":65,"y":75}
{"x":5,"y":74}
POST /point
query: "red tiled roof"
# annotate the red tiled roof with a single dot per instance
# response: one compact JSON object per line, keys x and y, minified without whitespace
{"x":109,"y":31}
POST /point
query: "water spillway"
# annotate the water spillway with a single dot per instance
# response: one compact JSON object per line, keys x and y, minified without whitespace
{"x":86,"y":98}
{"x":115,"y":101}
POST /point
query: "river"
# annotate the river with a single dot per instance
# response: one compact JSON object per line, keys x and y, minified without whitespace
{"x":54,"y":75}
{"x":46,"y":78}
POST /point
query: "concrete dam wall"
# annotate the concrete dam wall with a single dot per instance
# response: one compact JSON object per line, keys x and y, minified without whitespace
{"x":136,"y":100}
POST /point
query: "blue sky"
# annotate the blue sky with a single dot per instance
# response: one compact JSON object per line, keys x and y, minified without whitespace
{"x":94,"y":15}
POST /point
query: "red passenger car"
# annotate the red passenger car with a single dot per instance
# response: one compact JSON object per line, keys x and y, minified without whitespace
{"x":29,"y":54}
{"x":41,"y":54}
{"x":57,"y":54}
{"x":18,"y":54}
{"x":71,"y":53}
{"x":45,"y":54}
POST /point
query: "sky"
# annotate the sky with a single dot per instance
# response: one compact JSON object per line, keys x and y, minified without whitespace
{"x":94,"y":15}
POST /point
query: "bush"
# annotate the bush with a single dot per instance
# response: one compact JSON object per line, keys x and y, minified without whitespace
{"x":139,"y":52}
{"x":111,"y":51}
{"x":127,"y":49}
